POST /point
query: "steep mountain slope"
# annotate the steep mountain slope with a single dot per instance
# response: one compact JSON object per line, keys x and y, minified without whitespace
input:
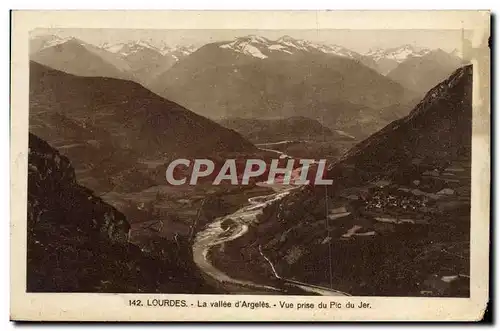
{"x":388,"y":59}
{"x":422,"y":73}
{"x":236,"y":81}
{"x":362,"y":122}
{"x":438,"y":129}
{"x":79,"y":58}
{"x":100,"y":163}
{"x":78,"y":243}
{"x":135,"y":118}
{"x":396,"y":220}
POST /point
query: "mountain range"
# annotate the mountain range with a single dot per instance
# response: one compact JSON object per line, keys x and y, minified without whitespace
{"x":254,"y":77}
{"x":388,"y":59}
{"x":250,"y":77}
{"x":382,"y":60}
{"x":261,"y":47}
{"x":136,"y":60}
{"x":146,"y":60}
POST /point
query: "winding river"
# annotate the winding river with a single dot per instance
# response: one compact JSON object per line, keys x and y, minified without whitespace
{"x":214,"y":235}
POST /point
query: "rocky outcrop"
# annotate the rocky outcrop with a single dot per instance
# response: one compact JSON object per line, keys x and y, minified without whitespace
{"x":78,"y":243}
{"x":54,"y":195}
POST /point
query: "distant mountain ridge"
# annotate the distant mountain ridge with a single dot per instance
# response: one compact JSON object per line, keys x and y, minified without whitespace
{"x":274,"y":130}
{"x":149,"y":60}
{"x":129,"y":48}
{"x":347,"y":100}
{"x":137,"y":45}
{"x":76,"y":57}
{"x":139,"y":60}
{"x":423,"y":72}
{"x":146,"y":60}
{"x":399,"y":54}
{"x":41,"y":42}
{"x":388,"y":59}
{"x":261,"y":47}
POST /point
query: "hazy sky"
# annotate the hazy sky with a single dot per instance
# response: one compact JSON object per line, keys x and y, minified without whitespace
{"x":356,"y":40}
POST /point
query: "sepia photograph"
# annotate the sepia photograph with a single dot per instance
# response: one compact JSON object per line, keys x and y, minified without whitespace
{"x":327,"y":162}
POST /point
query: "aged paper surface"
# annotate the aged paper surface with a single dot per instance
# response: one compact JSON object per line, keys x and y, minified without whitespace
{"x":250,"y":166}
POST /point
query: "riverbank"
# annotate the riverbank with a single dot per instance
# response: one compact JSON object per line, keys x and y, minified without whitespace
{"x":228,"y":253}
{"x":210,"y":245}
{"x":220,"y":249}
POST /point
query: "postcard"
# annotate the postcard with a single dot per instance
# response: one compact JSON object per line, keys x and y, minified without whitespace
{"x":250,"y":165}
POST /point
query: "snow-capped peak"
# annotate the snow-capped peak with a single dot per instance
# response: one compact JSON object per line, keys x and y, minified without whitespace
{"x":113,"y":48}
{"x":262,"y":48}
{"x":457,"y":52}
{"x":176,"y":51}
{"x":285,"y":38}
{"x":130,"y":47}
{"x":398,"y":54}
{"x":298,"y":44}
{"x":304,"y":45}
{"x":57,"y":41}
{"x":145,"y":44}
{"x":249,"y":45}
{"x":254,"y":39}
{"x":47,"y":41}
